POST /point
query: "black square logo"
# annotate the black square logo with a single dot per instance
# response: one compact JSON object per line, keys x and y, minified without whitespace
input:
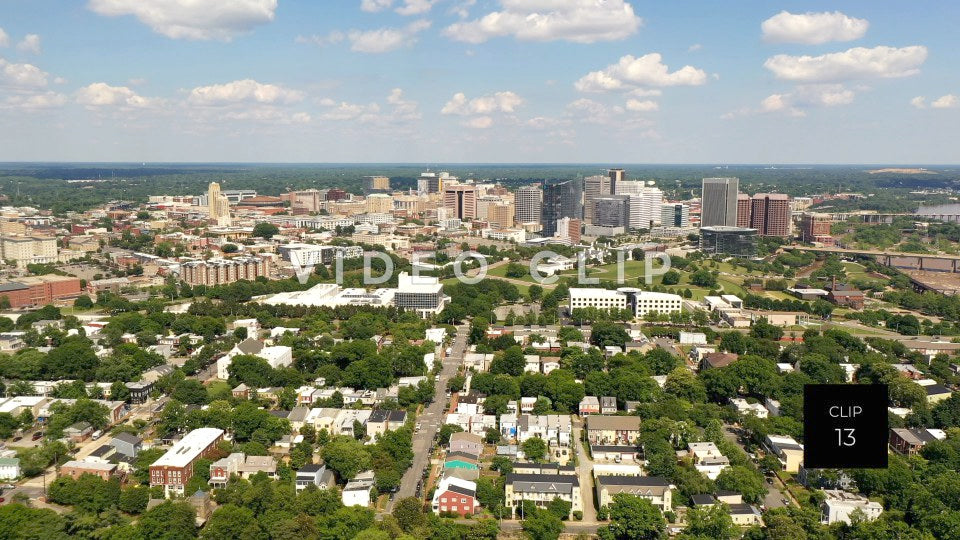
{"x":845,"y":426}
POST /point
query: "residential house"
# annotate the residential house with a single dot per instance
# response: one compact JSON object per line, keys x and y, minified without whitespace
{"x":530,"y":467}
{"x":357,"y":491}
{"x":707,"y":459}
{"x":909,"y":441}
{"x":126,"y":444}
{"x":78,"y":432}
{"x":382,"y":421}
{"x":608,"y":405}
{"x":717,"y":360}
{"x":653,"y":488}
{"x":455,"y":496}
{"x":542,"y":489}
{"x":787,"y":450}
{"x":613,"y":429}
{"x":936,"y":392}
{"x":589,"y":405}
{"x":314,"y":475}
{"x":241,"y":465}
{"x":614,"y":453}
{"x":745,"y":408}
{"x":9,"y":468}
{"x":466,"y":442}
{"x":839,"y":505}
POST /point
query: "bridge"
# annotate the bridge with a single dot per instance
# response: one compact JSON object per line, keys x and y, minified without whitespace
{"x":932,"y":262}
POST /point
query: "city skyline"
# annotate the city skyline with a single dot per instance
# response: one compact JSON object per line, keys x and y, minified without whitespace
{"x":615,"y":82}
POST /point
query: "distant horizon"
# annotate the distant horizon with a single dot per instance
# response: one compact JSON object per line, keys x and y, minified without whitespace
{"x":602,"y":164}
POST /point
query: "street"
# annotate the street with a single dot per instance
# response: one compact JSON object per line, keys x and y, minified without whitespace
{"x":431,"y":419}
{"x":775,"y":494}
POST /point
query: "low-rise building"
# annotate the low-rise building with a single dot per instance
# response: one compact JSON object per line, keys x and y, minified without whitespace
{"x":312,"y":474}
{"x":707,"y":459}
{"x":9,"y":468}
{"x":607,"y":430}
{"x":839,"y":505}
{"x":74,"y":469}
{"x":126,"y":444}
{"x":241,"y":465}
{"x":455,"y":496}
{"x":357,"y":491}
{"x":466,"y":442}
{"x":787,"y":450}
{"x":653,"y":488}
{"x":541,"y":490}
{"x":909,"y":441}
{"x":175,"y":468}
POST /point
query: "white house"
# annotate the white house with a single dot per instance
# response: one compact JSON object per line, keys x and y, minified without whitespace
{"x":707,"y":459}
{"x":357,"y":491}
{"x":838,"y":505}
{"x":277,"y":356}
{"x":9,"y":468}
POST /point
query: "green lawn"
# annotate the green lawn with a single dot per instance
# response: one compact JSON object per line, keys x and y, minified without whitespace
{"x":217,"y":387}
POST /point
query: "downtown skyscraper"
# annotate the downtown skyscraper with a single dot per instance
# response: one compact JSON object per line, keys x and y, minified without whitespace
{"x":561,"y":200}
{"x":719,"y":202}
{"x":529,"y":201}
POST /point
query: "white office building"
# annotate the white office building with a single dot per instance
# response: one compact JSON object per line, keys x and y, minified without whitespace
{"x":641,"y":302}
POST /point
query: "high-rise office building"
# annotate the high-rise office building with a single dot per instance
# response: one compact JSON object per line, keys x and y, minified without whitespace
{"x":675,"y":215}
{"x":616,"y":175}
{"x":374,"y":184}
{"x":645,"y":202}
{"x":219,"y":206}
{"x":561,"y":200}
{"x":568,"y":230}
{"x":528,"y":201}
{"x":501,"y":215}
{"x":461,"y":200}
{"x":594,"y":187}
{"x":770,"y":214}
{"x":430,"y":182}
{"x":719,"y":202}
{"x":612,"y":211}
{"x":743,"y":210}
{"x":723,"y":240}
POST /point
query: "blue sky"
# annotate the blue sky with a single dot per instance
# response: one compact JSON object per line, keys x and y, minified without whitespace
{"x":432,"y":81}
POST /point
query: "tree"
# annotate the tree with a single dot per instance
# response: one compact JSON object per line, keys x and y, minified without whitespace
{"x":703,"y":278}
{"x":607,"y":333}
{"x":168,"y":521}
{"x":409,"y":514}
{"x":542,"y":525}
{"x":560,"y":508}
{"x":229,"y":248}
{"x":671,"y":277}
{"x":535,"y":292}
{"x":511,"y":362}
{"x":745,"y":480}
{"x":346,"y":456}
{"x":633,"y":518}
{"x":190,"y":391}
{"x":446,"y":431}
{"x":534,"y":449}
{"x":133,"y":500}
{"x":83,"y":302}
{"x":265,"y":230}
{"x":711,"y":522}
{"x":230,"y":522}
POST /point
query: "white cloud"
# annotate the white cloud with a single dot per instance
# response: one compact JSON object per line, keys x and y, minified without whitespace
{"x":21,"y":75}
{"x":812,"y":28}
{"x":351,"y":111}
{"x":415,"y":7}
{"x":4,"y":38}
{"x":637,"y":105}
{"x":694,"y":48}
{"x":386,"y":39}
{"x":103,"y":95}
{"x":316,"y":39}
{"x":462,"y":9}
{"x":856,"y":63}
{"x":919,"y":102}
{"x":580,"y":21}
{"x":588,"y":111}
{"x":949,"y":101}
{"x":192,"y":19}
{"x":479,"y":122}
{"x":268,"y":115}
{"x":33,"y":102}
{"x":498,"y":102}
{"x":373,"y":6}
{"x":403,"y":109}
{"x":803,"y":97}
{"x":647,"y":70}
{"x":247,"y":90}
{"x":30,"y":43}
{"x":645,"y":92}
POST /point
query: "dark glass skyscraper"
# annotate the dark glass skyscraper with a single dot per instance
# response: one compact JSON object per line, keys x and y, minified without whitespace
{"x":560,"y":200}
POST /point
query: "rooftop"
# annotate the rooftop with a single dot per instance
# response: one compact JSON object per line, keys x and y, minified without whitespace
{"x":188,"y":448}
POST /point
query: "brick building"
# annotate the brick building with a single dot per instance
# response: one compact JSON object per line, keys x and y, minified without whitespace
{"x":35,"y":291}
{"x":224,"y":271}
{"x":175,"y":468}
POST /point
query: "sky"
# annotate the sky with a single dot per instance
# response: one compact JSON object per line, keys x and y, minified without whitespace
{"x":480,"y":81}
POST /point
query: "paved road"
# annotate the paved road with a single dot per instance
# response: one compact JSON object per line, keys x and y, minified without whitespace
{"x":431,"y":419}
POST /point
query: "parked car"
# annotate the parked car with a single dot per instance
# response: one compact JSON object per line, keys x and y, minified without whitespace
{"x":37,"y":436}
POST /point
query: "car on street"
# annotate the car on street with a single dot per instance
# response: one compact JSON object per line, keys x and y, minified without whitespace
{"x":7,"y":486}
{"x":784,"y":501}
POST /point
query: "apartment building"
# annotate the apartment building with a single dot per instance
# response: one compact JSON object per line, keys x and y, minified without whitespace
{"x":175,"y":468}
{"x":542,"y":489}
{"x":653,"y":488}
{"x":224,"y":271}
{"x":838,"y":505}
{"x":606,"y":430}
{"x":28,"y":249}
